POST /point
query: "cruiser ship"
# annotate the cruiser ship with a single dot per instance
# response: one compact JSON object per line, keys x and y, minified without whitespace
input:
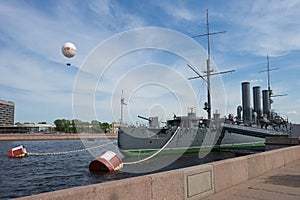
{"x":191,"y":133}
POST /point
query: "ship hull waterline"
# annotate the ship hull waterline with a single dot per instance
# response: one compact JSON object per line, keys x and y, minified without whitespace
{"x":143,"y":142}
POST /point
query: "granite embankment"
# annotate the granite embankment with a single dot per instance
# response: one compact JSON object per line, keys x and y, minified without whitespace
{"x":240,"y":178}
{"x":20,"y":137}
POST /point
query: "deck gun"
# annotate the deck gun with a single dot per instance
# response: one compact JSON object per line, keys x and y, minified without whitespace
{"x":153,"y":121}
{"x":145,"y":118}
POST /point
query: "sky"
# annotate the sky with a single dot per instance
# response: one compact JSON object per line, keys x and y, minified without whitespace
{"x":142,"y":48}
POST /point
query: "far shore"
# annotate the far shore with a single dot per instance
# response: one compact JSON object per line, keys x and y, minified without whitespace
{"x":42,"y":136}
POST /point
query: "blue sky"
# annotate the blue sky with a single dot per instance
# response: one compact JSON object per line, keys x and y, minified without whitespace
{"x":33,"y":73}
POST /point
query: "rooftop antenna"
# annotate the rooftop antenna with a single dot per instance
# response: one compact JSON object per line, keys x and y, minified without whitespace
{"x":207,"y":105}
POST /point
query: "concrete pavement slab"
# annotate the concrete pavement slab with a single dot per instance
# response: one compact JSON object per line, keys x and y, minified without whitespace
{"x":282,"y":183}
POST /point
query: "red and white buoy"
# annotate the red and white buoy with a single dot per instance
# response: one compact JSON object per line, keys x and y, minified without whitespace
{"x":107,"y":162}
{"x":17,"y":152}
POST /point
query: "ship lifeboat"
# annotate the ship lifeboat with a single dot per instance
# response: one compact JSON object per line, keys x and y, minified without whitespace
{"x":17,"y":152}
{"x":107,"y":162}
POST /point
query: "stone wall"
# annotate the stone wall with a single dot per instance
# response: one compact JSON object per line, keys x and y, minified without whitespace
{"x":188,"y":183}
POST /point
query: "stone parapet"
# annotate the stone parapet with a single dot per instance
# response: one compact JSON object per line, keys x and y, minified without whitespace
{"x":188,"y":183}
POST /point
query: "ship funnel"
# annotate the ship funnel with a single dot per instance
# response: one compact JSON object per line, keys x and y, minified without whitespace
{"x":247,"y":114}
{"x":256,"y":100}
{"x":266,"y":103}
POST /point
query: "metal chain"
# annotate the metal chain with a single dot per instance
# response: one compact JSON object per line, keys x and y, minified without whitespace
{"x":68,"y":152}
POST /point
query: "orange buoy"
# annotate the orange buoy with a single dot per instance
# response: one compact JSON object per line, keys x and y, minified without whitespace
{"x":107,"y":162}
{"x":17,"y":152}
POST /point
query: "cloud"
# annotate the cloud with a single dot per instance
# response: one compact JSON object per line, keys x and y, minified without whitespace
{"x":256,"y":81}
{"x":133,"y":61}
{"x":177,"y":10}
{"x":292,"y":112}
{"x":47,"y":32}
{"x":264,"y":27}
{"x":32,"y":33}
{"x":110,"y":14}
{"x":31,"y":39}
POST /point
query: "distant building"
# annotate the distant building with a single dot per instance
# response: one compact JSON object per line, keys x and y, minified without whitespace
{"x":7,"y":113}
{"x":114,"y":128}
{"x":27,"y":128}
{"x":7,"y":118}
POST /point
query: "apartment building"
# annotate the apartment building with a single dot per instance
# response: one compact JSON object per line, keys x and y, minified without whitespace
{"x":7,"y":113}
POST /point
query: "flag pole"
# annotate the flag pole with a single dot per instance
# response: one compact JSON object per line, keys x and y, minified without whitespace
{"x":121,"y":120}
{"x":122,"y":104}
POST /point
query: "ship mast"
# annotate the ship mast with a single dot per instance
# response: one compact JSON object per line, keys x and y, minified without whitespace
{"x":269,"y":84}
{"x":208,"y":70}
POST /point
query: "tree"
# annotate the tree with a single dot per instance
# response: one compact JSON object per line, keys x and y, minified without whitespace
{"x":77,"y":126}
{"x":105,"y":127}
{"x":59,"y":126}
{"x":63,"y":125}
{"x":73,"y":127}
{"x":96,"y":126}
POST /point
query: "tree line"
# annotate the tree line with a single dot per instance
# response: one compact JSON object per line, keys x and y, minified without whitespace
{"x":77,"y":126}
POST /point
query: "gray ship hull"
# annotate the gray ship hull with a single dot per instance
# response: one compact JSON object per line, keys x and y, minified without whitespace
{"x":136,"y":141}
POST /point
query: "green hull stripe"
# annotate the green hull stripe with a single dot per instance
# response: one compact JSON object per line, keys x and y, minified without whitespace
{"x":193,"y":149}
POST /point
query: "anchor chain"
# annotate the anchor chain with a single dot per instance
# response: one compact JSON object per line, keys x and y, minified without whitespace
{"x":68,"y":152}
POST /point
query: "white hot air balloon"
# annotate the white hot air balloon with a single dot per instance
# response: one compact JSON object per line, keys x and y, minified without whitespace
{"x":69,"y":50}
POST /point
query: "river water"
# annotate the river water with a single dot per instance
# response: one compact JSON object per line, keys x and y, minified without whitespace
{"x":36,"y":174}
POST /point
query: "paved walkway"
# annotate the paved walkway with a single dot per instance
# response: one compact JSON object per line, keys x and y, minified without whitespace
{"x":283,"y":183}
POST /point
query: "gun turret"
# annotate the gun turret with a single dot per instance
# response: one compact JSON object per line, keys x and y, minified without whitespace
{"x":153,"y":121}
{"x":145,"y":118}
